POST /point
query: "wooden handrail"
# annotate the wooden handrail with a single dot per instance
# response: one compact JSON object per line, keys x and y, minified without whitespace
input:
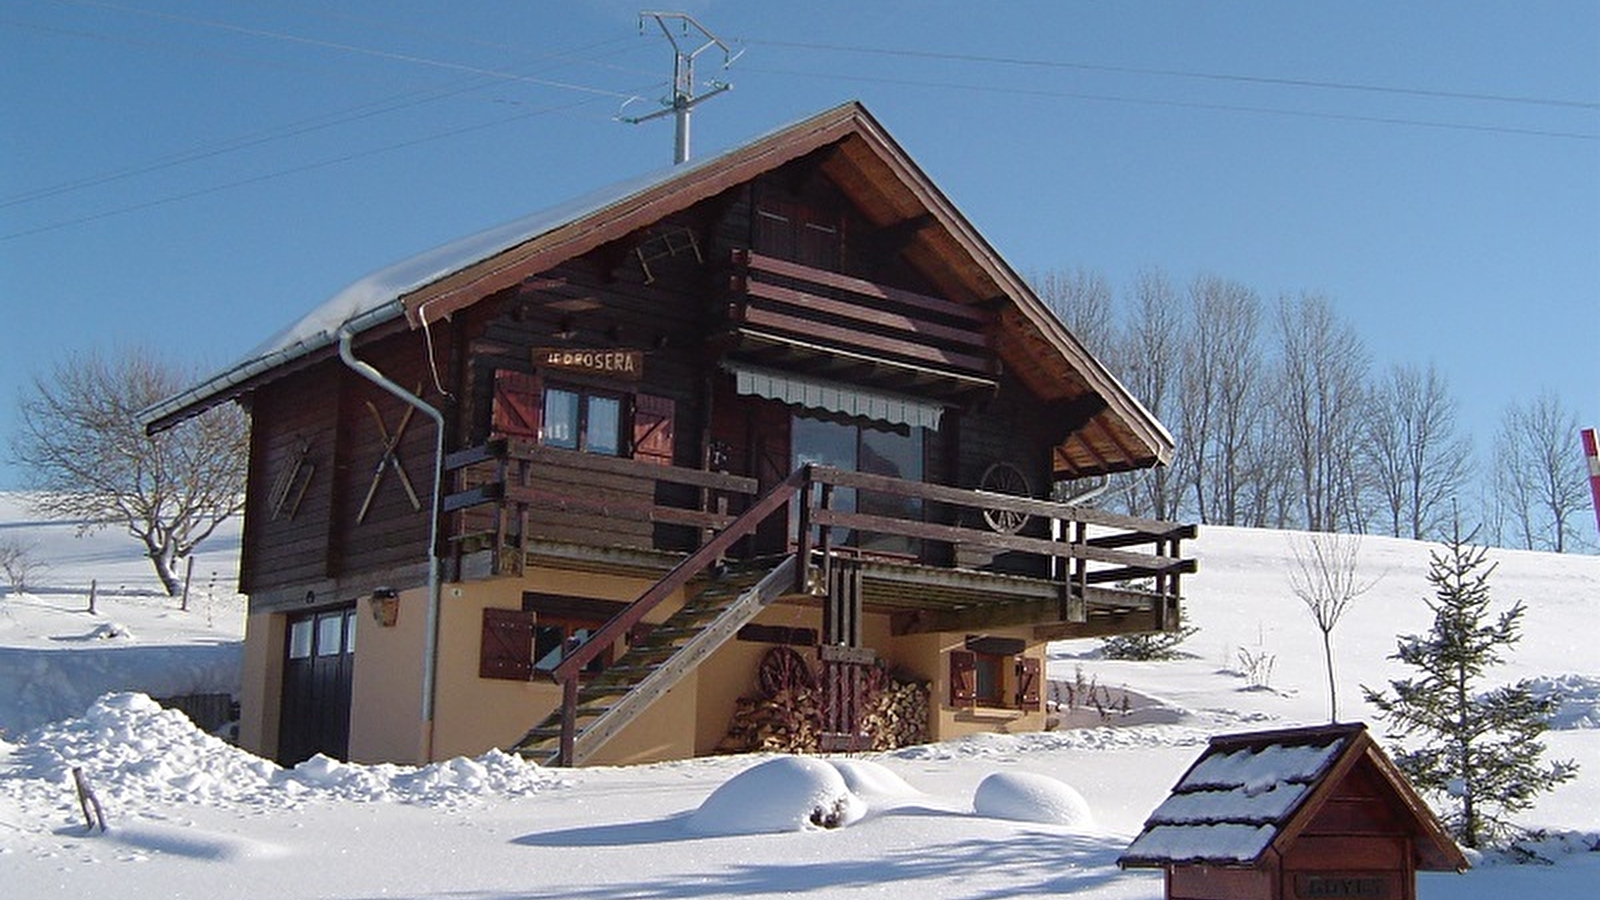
{"x":680,"y":575}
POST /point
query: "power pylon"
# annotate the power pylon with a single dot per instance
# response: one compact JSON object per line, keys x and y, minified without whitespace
{"x":683,"y":99}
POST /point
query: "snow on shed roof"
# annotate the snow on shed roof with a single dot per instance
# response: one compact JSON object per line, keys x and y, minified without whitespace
{"x":1232,"y":802}
{"x":1248,"y":792}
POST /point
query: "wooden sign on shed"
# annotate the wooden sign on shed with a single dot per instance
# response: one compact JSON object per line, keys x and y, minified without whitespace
{"x":1286,"y":815}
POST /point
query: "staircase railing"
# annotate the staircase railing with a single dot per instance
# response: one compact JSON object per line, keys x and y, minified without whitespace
{"x":568,"y":672}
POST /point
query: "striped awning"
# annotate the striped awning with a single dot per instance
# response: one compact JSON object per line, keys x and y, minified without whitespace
{"x":815,"y":393}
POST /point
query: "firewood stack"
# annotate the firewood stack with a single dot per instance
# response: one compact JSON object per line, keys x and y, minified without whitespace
{"x":789,"y":721}
{"x":788,"y":716}
{"x":897,"y":716}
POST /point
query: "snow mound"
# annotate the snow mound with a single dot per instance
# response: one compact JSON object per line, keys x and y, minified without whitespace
{"x":137,"y":753}
{"x":1030,"y":797}
{"x":872,"y":781}
{"x":167,"y":840}
{"x":789,"y":793}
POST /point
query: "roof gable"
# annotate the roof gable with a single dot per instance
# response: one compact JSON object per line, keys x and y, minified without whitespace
{"x":1107,"y":429}
{"x":1251,"y":792}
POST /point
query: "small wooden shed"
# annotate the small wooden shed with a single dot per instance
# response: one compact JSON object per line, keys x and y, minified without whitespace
{"x":1290,"y":814}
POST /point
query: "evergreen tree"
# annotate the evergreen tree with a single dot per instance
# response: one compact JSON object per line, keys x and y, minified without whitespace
{"x":1478,"y":748}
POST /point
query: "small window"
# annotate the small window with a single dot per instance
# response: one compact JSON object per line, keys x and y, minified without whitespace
{"x":300,"y":639}
{"x":580,"y":420}
{"x":330,"y":635}
{"x":994,"y":673}
{"x":988,"y":688}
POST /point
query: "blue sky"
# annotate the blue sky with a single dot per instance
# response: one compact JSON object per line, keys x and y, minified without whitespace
{"x":195,"y":175}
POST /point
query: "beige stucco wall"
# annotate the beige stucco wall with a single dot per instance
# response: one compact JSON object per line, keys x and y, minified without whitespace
{"x":474,"y":714}
{"x":262,"y":683}
{"x":386,"y":684}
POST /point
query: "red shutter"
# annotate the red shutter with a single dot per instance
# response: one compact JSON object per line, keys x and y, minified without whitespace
{"x":507,"y":647}
{"x":652,"y":429}
{"x":1028,"y":683}
{"x":517,"y":400}
{"x":963,"y":678}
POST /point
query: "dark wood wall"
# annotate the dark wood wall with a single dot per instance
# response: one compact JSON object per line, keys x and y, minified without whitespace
{"x":660,"y":290}
{"x":316,"y":449}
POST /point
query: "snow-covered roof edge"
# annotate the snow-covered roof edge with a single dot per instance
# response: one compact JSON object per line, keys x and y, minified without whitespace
{"x":1227,"y":838}
{"x":375,"y":298}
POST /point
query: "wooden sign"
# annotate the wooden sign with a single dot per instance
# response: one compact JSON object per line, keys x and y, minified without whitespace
{"x":626,"y":364}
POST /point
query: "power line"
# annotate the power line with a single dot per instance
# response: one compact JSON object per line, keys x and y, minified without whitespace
{"x":1186,"y":104}
{"x":254,"y":139}
{"x":294,"y":170}
{"x":1181,"y":73}
{"x":358,"y":50}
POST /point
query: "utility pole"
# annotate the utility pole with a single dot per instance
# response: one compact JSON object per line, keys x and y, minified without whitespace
{"x":683,"y":100}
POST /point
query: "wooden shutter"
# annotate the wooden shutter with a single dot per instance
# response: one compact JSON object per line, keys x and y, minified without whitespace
{"x":507,"y":646}
{"x":963,"y":678}
{"x":652,"y":429}
{"x":1028,"y":683}
{"x":517,"y":401}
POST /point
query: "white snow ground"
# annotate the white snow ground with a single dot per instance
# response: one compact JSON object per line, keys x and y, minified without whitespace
{"x":193,"y":817}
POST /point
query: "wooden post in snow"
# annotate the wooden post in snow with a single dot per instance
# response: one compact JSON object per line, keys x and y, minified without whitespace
{"x":92,"y":585}
{"x":93,"y":815}
{"x":188,"y":574}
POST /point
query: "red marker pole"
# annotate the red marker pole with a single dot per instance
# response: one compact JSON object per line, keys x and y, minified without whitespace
{"x":1592,"y":453}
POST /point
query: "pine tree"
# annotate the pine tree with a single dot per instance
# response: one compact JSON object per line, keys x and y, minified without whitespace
{"x":1477,"y":748}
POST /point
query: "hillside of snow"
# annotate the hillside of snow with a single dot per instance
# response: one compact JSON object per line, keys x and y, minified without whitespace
{"x":995,"y":816}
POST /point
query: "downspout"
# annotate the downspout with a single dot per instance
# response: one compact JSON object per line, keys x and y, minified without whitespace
{"x":430,"y":645}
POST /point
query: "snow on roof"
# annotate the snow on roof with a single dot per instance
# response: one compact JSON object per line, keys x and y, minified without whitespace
{"x":1234,"y":800}
{"x":375,"y":298}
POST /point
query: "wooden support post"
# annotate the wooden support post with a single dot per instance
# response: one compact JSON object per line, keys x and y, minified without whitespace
{"x":93,"y":586}
{"x":802,"y":572}
{"x":569,"y":720}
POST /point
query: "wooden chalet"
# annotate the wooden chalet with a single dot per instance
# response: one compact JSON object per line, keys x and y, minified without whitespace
{"x":1292,"y":814}
{"x":572,"y":480}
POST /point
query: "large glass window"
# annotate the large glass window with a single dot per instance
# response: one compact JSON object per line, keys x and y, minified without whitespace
{"x":579,"y":420}
{"x":876,"y":448}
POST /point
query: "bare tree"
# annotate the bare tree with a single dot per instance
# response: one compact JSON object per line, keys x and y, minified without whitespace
{"x":1150,"y":352}
{"x":1539,"y":474}
{"x":1082,"y":300}
{"x":1415,"y":456}
{"x":79,"y":442}
{"x":20,"y":562}
{"x":1324,"y":578}
{"x":1220,"y":376}
{"x":1320,"y":398}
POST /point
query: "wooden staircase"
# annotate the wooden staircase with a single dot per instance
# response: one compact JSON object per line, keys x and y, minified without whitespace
{"x":648,"y":669}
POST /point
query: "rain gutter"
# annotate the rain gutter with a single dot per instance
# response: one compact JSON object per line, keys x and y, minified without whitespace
{"x":430,"y":647}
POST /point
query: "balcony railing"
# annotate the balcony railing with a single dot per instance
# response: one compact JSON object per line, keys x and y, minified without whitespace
{"x":515,"y":494}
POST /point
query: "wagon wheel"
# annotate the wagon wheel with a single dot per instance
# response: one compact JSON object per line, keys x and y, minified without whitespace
{"x":783,"y":669}
{"x":1004,"y":478}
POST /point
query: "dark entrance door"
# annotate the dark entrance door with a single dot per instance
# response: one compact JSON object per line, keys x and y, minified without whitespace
{"x":319,"y":659}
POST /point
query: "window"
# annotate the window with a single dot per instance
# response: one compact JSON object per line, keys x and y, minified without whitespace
{"x":581,"y":420}
{"x":300,"y":638}
{"x":875,"y":448}
{"x":993,"y":672}
{"x":517,"y":643}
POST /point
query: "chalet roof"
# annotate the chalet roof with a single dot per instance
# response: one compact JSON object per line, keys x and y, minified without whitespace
{"x":1111,"y":431}
{"x":1251,"y":792}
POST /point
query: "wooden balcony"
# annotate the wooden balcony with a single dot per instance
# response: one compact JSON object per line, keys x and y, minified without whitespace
{"x":824,"y":323}
{"x":977,"y":559}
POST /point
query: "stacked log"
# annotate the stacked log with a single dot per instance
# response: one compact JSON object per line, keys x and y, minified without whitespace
{"x":787,"y":716}
{"x":789,"y":721}
{"x":898,"y":716}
